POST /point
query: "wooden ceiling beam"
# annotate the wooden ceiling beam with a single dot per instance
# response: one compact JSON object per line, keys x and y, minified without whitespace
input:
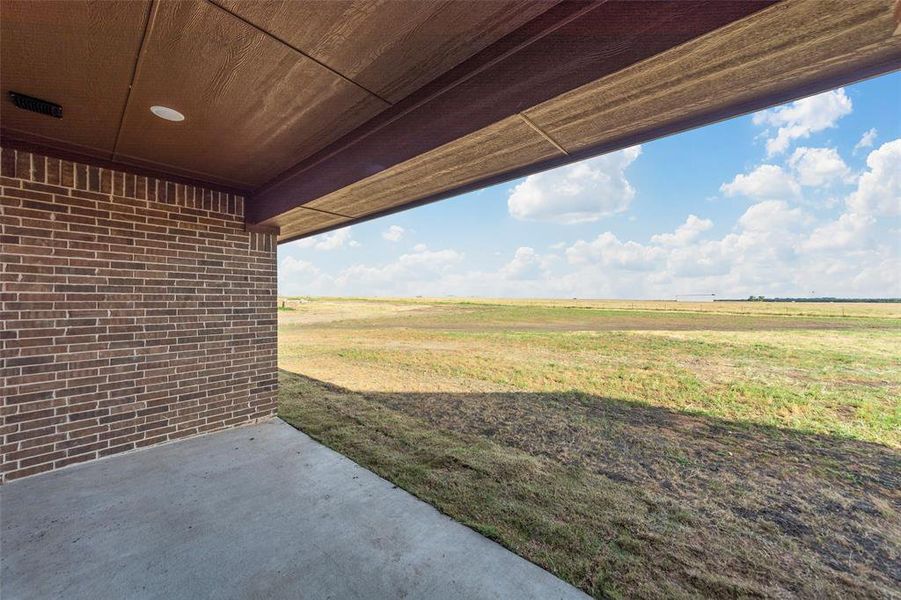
{"x":390,"y":47}
{"x":231,"y":12}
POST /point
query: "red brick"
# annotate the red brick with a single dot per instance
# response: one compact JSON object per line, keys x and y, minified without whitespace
{"x":137,"y":313}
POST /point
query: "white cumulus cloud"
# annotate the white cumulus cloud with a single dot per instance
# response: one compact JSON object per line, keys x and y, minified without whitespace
{"x":293,"y":267}
{"x":848,"y":231}
{"x":876,"y":198}
{"x":766,"y":182}
{"x":801,"y":118}
{"x":401,"y":276}
{"x":328,"y":241}
{"x":394,"y":233}
{"x":685,"y":233}
{"x":771,"y":215}
{"x":818,"y":166}
{"x":879,"y":189}
{"x":577,"y":193}
{"x":867,"y":139}
{"x":608,"y":251}
{"x":527,"y":264}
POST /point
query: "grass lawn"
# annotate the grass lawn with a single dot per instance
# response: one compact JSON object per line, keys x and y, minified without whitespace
{"x":634,"y":449}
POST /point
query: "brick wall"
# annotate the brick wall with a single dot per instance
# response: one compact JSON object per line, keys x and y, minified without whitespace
{"x":133,"y":310}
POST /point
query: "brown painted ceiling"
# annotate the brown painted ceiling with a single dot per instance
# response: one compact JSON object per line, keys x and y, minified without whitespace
{"x":263,"y":85}
{"x":326,"y":112}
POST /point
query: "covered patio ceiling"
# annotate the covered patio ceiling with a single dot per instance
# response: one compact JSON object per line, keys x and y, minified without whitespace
{"x":326,"y":113}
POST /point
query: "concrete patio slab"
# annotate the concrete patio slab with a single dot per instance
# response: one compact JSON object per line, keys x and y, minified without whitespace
{"x":260,"y":511}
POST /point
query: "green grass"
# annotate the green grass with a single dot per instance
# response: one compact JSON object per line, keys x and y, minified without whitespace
{"x":631,"y":450}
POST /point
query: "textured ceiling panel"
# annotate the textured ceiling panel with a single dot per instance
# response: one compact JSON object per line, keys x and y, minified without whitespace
{"x":779,"y":49}
{"x":391,"y":47}
{"x":253,"y":106}
{"x":77,"y":54}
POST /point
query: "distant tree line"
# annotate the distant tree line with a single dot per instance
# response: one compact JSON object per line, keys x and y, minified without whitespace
{"x":818,"y":299}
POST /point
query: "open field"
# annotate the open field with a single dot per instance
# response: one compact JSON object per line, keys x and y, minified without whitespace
{"x":633,"y":448}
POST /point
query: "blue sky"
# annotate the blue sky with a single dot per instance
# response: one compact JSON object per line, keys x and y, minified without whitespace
{"x":796,"y":200}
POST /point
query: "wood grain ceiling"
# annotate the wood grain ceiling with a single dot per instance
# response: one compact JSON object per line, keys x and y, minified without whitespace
{"x":390,"y":47}
{"x":263,"y":85}
{"x":327,"y":112}
{"x":46,"y":51}
{"x":776,"y":53}
{"x":254,"y":106}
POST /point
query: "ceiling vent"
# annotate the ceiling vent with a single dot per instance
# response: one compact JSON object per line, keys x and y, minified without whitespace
{"x":37,"y":105}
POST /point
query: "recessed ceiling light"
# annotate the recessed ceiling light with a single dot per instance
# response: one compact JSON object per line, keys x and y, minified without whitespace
{"x":164,"y":112}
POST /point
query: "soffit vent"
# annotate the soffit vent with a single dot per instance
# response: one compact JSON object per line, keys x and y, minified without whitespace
{"x":36,"y":105}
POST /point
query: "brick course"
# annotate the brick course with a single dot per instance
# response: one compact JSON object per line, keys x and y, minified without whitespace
{"x":133,"y":311}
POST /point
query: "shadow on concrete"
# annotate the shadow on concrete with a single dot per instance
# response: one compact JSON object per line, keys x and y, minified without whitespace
{"x":259,"y":511}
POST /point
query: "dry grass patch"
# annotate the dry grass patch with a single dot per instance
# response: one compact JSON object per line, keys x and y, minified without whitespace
{"x":637,"y":452}
{"x":625,"y":500}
